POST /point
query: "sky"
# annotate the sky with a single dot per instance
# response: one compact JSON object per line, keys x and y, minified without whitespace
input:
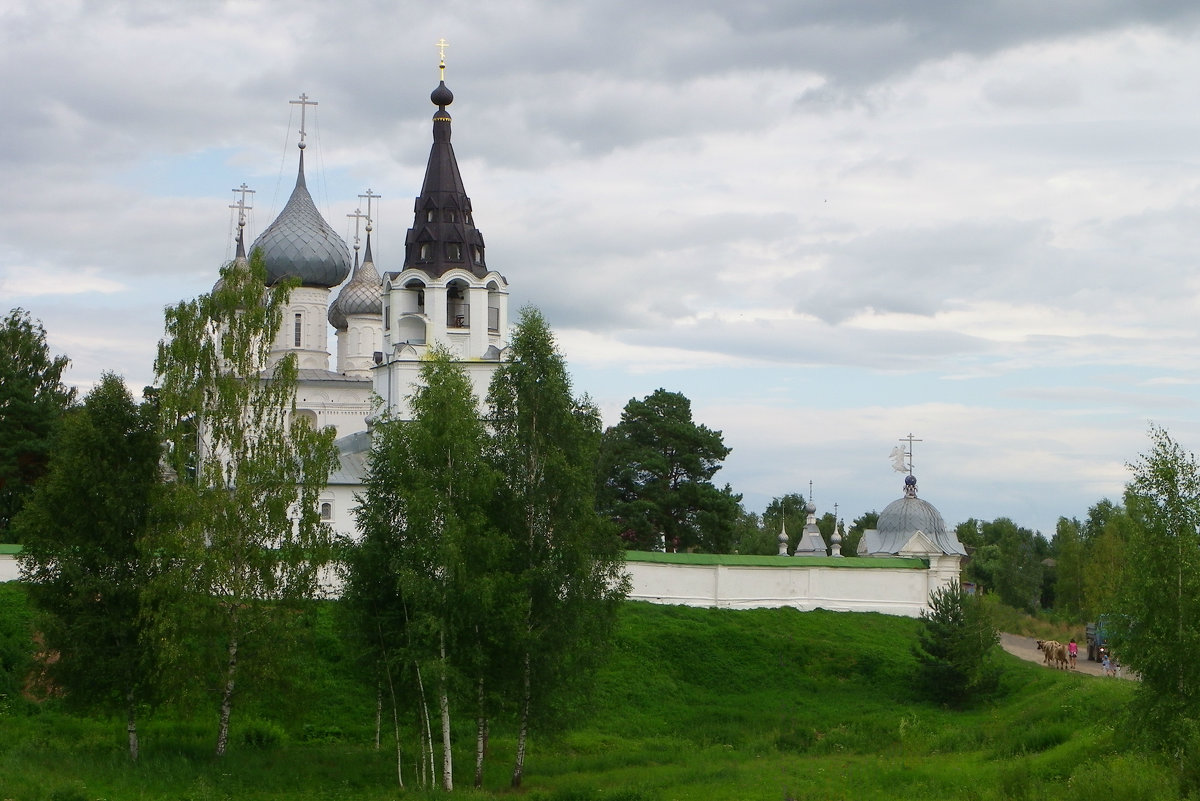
{"x":830,"y":224}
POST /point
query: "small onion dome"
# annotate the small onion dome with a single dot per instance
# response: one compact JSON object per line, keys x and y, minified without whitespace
{"x":362,"y":294}
{"x":300,"y":244}
{"x":442,"y":96}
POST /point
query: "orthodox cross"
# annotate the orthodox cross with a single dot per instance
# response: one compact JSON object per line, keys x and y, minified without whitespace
{"x":241,"y":204}
{"x":910,"y":439}
{"x":441,"y":45}
{"x":357,"y":215}
{"x":810,"y":490}
{"x":369,"y":196}
{"x":302,"y":103}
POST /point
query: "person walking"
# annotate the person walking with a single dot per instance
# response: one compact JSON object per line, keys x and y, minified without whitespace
{"x":1073,"y":652}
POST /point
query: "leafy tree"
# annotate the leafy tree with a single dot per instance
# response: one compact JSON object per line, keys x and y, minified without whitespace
{"x":954,"y":648}
{"x":567,"y":561}
{"x":1159,"y":601}
{"x":854,"y":535}
{"x":790,"y":510}
{"x":752,"y":536}
{"x":656,"y":469}
{"x":1068,"y":549}
{"x":82,"y":530}
{"x":32,"y":401}
{"x":1104,"y":561}
{"x":241,"y":542}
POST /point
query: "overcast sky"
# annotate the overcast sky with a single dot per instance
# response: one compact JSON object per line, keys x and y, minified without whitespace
{"x":829,"y":224}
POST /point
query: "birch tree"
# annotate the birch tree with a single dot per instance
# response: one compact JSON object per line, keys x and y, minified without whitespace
{"x":82,"y":531}
{"x":1156,"y":629}
{"x":422,"y":581}
{"x":241,"y":544}
{"x":565,"y":560}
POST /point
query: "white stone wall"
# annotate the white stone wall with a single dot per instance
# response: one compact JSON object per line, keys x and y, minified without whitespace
{"x":893,"y":590}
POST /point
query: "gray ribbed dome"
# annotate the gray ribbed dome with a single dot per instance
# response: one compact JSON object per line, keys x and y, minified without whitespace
{"x":301,"y":244}
{"x":362,"y":294}
{"x":902,"y":518}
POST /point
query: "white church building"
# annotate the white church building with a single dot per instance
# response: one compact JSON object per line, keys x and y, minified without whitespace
{"x":443,"y":292}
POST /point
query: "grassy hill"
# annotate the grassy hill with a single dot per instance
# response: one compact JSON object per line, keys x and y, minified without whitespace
{"x":691,"y":704}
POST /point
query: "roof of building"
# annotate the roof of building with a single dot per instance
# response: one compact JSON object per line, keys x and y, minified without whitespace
{"x":301,"y":244}
{"x":443,"y":236}
{"x":362,"y":294}
{"x":903,"y":518}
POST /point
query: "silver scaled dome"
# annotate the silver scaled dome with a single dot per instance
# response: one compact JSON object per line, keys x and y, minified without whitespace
{"x":300,"y":244}
{"x":362,"y":294}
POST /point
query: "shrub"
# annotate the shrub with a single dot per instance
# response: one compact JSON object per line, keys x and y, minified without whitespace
{"x":263,"y":734}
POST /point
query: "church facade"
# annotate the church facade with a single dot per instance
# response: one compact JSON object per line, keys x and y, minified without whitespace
{"x":441,"y":293}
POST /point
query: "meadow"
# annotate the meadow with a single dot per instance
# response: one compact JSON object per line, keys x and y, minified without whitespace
{"x":700,"y":704}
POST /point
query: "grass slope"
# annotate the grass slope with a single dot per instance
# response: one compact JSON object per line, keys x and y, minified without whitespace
{"x":691,"y":704}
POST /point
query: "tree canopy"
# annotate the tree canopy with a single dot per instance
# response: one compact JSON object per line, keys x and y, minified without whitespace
{"x":32,"y":401}
{"x":655,"y":478}
{"x":82,"y":531}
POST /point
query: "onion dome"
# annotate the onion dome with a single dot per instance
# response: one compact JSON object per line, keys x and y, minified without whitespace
{"x":902,"y":518}
{"x":300,"y":244}
{"x":443,"y":236}
{"x":362,"y":294}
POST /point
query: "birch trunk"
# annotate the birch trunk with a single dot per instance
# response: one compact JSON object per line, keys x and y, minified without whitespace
{"x":379,"y":714}
{"x":444,"y":703}
{"x":227,"y":698}
{"x":480,"y":736}
{"x":427,"y":736}
{"x":523,"y":732}
{"x":395,"y":724}
{"x":131,"y":726}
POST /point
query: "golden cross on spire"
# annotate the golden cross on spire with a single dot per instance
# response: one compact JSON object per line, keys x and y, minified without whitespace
{"x":441,"y":45}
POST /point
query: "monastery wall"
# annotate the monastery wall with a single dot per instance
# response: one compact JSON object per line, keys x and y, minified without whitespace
{"x":891,"y":586}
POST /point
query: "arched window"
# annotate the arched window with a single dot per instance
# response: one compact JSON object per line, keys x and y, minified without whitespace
{"x":454,"y":251}
{"x":429,"y":215}
{"x":326,"y":511}
{"x":298,"y":329}
{"x":423,"y":251}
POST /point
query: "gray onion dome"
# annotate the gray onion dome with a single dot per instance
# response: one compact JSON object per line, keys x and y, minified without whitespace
{"x":300,"y":244}
{"x":362,"y":294}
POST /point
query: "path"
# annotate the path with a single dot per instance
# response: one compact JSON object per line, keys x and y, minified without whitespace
{"x":1026,"y":648}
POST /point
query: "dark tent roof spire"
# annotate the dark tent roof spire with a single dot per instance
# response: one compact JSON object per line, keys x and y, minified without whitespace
{"x":443,"y":235}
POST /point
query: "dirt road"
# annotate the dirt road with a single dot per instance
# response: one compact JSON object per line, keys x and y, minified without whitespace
{"x":1026,"y":648}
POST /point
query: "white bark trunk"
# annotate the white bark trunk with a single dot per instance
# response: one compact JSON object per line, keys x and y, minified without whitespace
{"x":379,"y":714}
{"x":395,"y":725}
{"x":444,"y":703}
{"x":427,"y":736}
{"x":480,"y":736}
{"x":523,"y":731}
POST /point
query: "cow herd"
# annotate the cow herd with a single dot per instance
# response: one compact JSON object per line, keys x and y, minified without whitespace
{"x":1055,"y":653}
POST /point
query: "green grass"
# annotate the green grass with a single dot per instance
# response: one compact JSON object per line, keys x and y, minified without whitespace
{"x":691,"y":704}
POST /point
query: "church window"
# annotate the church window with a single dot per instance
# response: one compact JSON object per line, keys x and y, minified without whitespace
{"x":326,"y":511}
{"x":476,"y":254}
{"x":429,"y":215}
{"x":454,"y":251}
{"x":298,"y":329}
{"x":423,"y":253}
{"x":387,"y":317}
{"x":451,"y":215}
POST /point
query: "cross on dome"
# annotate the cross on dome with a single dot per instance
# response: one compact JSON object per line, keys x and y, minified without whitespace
{"x":303,"y":102}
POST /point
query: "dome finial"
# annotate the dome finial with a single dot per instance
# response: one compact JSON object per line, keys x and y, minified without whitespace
{"x":442,"y":44}
{"x":358,"y":217}
{"x":302,"y":102}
